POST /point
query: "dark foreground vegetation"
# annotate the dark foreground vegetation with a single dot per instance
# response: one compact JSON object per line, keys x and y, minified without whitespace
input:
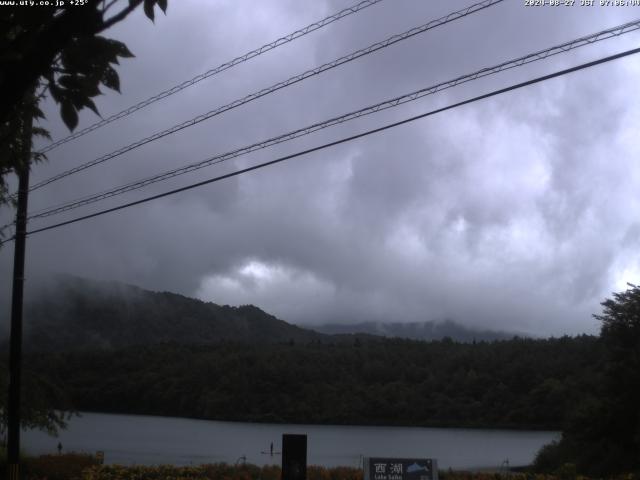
{"x":86,"y":467}
{"x":511,"y":384}
{"x":602,"y":432}
{"x":586,"y":386}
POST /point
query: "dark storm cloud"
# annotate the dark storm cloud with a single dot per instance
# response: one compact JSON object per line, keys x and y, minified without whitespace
{"x":519,"y":212}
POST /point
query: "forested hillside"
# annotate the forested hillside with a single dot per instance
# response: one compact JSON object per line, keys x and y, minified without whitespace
{"x":427,"y":330}
{"x":71,"y":313}
{"x":75,"y":313}
{"x":517,"y":383}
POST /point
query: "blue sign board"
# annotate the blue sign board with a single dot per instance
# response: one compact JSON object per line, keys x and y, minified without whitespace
{"x":400,"y":469}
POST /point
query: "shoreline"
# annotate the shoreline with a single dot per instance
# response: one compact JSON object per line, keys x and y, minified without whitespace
{"x":312,"y":424}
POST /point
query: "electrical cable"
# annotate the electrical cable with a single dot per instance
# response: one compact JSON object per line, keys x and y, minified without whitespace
{"x":261,"y":93}
{"x":214,"y":71}
{"x":517,"y":62}
{"x":343,"y":140}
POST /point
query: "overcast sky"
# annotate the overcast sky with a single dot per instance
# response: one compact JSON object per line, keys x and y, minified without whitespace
{"x":520,"y":212}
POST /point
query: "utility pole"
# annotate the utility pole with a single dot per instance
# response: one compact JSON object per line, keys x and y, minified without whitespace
{"x":15,"y":345}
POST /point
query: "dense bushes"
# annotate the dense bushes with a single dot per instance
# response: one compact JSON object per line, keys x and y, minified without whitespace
{"x":602,"y":434}
{"x":79,"y":468}
{"x":69,"y":466}
{"x":517,"y":383}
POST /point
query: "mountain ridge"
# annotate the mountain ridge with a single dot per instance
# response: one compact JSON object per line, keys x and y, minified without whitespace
{"x":427,"y":331}
{"x":87,"y":314}
{"x":74,"y":313}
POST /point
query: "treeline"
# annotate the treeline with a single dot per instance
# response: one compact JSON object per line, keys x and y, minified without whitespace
{"x":520,"y":383}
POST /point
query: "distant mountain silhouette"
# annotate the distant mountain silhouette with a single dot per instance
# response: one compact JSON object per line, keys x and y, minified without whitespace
{"x":417,"y":331}
{"x":77,"y":313}
{"x":73,"y":313}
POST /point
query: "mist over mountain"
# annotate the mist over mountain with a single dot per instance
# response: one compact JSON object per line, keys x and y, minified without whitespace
{"x":65,"y":312}
{"x":76,"y":313}
{"x":418,"y":331}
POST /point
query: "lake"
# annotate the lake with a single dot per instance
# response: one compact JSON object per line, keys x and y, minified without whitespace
{"x":147,"y":440}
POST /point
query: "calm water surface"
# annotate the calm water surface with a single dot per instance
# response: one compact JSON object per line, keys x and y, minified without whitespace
{"x":135,"y":439}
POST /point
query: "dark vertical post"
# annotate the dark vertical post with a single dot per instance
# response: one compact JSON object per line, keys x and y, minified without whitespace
{"x":294,"y":457}
{"x":15,"y":345}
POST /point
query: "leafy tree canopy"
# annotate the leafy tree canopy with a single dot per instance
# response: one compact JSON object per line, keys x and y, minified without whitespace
{"x":38,"y":395}
{"x":57,"y":51}
{"x":603,"y":434}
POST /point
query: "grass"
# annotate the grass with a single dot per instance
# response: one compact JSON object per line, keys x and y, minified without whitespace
{"x":75,"y":466}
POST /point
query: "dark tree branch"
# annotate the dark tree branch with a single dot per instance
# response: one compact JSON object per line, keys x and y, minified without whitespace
{"x":120,"y":16}
{"x":42,"y":45}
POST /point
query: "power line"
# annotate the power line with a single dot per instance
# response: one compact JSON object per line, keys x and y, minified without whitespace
{"x":292,"y":80}
{"x":523,"y":60}
{"x":214,"y":71}
{"x":343,"y":140}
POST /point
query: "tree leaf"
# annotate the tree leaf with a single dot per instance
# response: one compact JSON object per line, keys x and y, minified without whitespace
{"x":89,"y":103}
{"x":39,"y":157}
{"x":110,"y":79}
{"x":40,"y":132}
{"x":56,"y":93}
{"x":69,"y":115}
{"x":78,"y":56}
{"x":121,"y":49}
{"x":37,"y":113}
{"x":148,"y":9}
{"x":76,"y":98}
{"x":69,"y":82}
{"x":163,"y":6}
{"x":88,"y":85}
